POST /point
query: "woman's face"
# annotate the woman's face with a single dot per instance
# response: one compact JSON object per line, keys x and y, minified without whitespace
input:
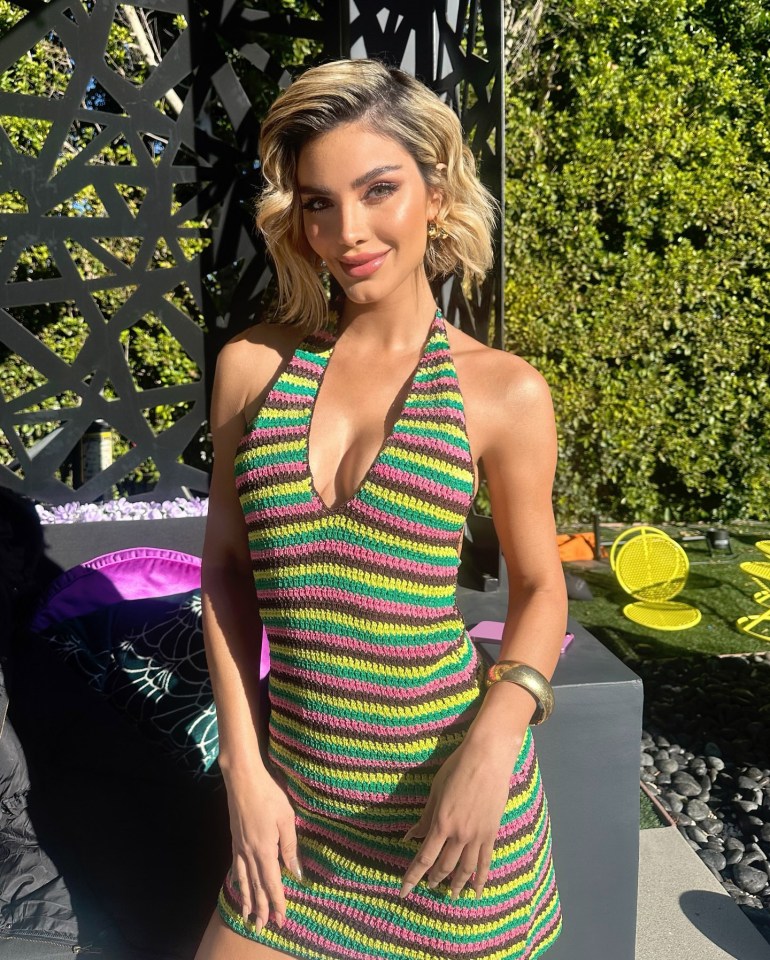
{"x":365,"y":208}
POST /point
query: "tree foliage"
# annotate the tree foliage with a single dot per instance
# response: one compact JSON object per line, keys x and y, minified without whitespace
{"x":638,"y":249}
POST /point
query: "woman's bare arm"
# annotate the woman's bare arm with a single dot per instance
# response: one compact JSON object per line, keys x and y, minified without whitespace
{"x":508,"y":407}
{"x":261,"y":817}
{"x":519,"y":457}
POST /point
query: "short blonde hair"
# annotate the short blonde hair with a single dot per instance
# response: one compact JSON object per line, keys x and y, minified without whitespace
{"x":397,"y":106}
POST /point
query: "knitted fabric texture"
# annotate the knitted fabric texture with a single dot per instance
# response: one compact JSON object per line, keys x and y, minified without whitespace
{"x":374,"y":681}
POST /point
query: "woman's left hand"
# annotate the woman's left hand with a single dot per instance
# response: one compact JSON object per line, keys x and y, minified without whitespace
{"x":461,"y":819}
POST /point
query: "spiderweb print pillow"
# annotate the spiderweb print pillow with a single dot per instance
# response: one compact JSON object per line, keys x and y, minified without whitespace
{"x":148,"y":659}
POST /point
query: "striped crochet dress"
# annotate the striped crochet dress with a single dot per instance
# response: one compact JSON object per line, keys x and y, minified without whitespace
{"x":374,"y":680}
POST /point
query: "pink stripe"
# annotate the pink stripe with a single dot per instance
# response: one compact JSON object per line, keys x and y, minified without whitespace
{"x":334,"y":724}
{"x":462,"y":909}
{"x":417,"y":531}
{"x":306,"y":366}
{"x":408,"y":693}
{"x":259,"y":474}
{"x":433,"y":486}
{"x":376,"y":560}
{"x":295,"y":400}
{"x":333,"y":595}
{"x":434,"y":444}
{"x":426,"y":652}
{"x":277,"y":433}
{"x":301,"y":748}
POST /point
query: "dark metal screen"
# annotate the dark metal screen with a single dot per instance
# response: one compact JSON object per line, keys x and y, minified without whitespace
{"x":128,"y":148}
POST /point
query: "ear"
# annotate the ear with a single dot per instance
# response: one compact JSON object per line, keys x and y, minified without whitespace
{"x":436,"y":194}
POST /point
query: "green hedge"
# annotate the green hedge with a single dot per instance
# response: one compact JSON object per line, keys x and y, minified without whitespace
{"x":638,"y":249}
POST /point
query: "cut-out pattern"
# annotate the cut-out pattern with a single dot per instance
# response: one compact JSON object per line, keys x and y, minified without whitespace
{"x":128,"y":168}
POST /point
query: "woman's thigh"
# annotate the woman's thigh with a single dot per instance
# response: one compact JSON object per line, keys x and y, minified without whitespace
{"x":220,"y":942}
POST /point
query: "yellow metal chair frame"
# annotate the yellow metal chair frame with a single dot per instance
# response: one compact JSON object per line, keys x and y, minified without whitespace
{"x":653,"y":568}
{"x":757,"y":624}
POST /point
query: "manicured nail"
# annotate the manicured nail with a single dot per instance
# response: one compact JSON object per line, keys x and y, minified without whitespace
{"x":453,"y":894}
{"x":432,"y":883}
{"x":296,"y":870}
{"x":406,"y":889}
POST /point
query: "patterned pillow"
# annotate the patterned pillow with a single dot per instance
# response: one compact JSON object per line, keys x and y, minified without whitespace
{"x":147,"y":658}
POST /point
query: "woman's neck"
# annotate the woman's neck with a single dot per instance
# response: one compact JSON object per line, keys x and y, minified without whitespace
{"x":393,"y":323}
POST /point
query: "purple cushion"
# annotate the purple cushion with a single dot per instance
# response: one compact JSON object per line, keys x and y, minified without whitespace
{"x":136,"y":573}
{"x":132,"y":574}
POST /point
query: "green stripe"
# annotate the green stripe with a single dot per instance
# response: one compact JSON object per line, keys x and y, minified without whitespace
{"x":295,"y":579}
{"x":368,"y":714}
{"x":342,"y":534}
{"x":401,"y":674}
{"x":371,"y":499}
{"x":257,"y":460}
{"x":395,"y":458}
{"x":275,"y":617}
{"x":250,"y":500}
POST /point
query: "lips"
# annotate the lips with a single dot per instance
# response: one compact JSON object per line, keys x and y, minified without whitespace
{"x":363,"y":265}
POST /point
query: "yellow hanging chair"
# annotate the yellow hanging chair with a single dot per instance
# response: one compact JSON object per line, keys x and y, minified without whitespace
{"x":653,"y":568}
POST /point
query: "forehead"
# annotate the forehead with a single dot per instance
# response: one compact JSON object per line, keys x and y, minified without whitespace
{"x":347,"y":152}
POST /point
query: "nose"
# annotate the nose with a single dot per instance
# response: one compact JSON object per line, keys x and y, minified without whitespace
{"x":351,"y":223}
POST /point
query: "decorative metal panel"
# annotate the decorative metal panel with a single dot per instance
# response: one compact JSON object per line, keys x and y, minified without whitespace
{"x":128,"y":167}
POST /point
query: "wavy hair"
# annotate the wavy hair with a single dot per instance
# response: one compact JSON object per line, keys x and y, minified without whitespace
{"x":395,"y":105}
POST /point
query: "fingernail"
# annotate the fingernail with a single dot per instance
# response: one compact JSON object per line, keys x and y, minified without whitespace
{"x":452,"y":894}
{"x":406,"y":889}
{"x":296,"y":869}
{"x":432,"y":883}
{"x":258,"y":927}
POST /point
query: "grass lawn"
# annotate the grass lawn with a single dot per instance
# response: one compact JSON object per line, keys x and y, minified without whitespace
{"x":717,"y":587}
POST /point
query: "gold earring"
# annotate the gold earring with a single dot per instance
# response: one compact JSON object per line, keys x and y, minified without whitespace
{"x":435,"y":232}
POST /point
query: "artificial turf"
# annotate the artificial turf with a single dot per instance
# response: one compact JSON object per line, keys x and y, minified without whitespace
{"x":716,"y":586}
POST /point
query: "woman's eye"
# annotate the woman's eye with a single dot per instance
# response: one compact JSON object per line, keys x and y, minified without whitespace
{"x":314,"y":204}
{"x":379,"y":191}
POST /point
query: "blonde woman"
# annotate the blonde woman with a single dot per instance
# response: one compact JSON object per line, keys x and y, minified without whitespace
{"x":396,"y":810}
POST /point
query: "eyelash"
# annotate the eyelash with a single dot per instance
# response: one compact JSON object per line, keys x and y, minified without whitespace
{"x":386,"y":189}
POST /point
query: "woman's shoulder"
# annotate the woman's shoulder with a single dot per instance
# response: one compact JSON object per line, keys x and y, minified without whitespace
{"x":493,"y":375}
{"x":263,"y":339}
{"x":251,"y":360}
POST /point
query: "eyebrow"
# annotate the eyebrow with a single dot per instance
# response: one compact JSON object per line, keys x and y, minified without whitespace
{"x":358,"y":182}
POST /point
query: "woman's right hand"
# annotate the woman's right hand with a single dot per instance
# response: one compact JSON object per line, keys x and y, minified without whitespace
{"x":262,"y":825}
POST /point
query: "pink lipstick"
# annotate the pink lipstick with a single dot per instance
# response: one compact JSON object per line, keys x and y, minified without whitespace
{"x":363,"y":265}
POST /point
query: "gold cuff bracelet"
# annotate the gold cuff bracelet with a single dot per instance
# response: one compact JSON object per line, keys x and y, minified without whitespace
{"x":532,"y":680}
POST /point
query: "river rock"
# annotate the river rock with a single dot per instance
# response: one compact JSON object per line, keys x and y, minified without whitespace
{"x":698,"y":810}
{"x":717,"y":861}
{"x":686,"y":785}
{"x":749,"y":879}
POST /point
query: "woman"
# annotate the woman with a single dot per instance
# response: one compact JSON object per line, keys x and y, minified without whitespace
{"x":397,"y":810}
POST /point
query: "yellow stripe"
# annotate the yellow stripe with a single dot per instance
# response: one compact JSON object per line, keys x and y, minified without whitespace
{"x":352,"y":574}
{"x":380,"y":709}
{"x":339,"y":620}
{"x":401,"y":670}
{"x":431,"y":510}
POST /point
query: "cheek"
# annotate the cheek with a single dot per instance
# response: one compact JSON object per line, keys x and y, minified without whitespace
{"x":406,"y":218}
{"x":313,"y":232}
